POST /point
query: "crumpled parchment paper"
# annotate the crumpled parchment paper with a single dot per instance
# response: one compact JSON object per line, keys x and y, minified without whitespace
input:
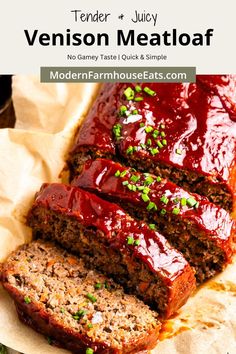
{"x":33,"y":153}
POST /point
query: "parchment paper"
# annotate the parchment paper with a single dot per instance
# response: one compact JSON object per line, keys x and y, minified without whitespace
{"x":33,"y":153}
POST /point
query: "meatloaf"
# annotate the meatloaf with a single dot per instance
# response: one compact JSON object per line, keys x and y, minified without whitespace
{"x":73,"y":306}
{"x":185,"y":132}
{"x":202,"y":231}
{"x":111,"y":241}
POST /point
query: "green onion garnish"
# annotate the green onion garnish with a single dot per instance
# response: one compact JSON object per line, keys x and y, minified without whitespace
{"x":134,"y":178}
{"x":135,"y":111}
{"x":148,"y":129}
{"x":123,"y":173}
{"x":138,"y":99}
{"x":62,"y":310}
{"x":152,"y":226}
{"x":143,"y":146}
{"x":123,"y":110}
{"x":129,"y":93}
{"x":164,"y":199}
{"x":163,"y":211}
{"x":117,"y":130}
{"x":130,"y":240}
{"x":79,"y":314}
{"x":155,"y":134}
{"x":176,"y":211}
{"x":191,"y":202}
{"x":117,"y":174}
{"x":178,"y":151}
{"x":154,"y":151}
{"x":89,"y":351}
{"x":98,"y":285}
{"x":176,"y":200}
{"x":196,"y":205}
{"x":149,"y":142}
{"x":141,"y":125}
{"x":159,"y":144}
{"x":138,"y":88}
{"x":149,"y":91}
{"x":148,"y":180}
{"x":90,"y":325}
{"x":130,"y":186}
{"x":91,"y":297}
{"x":125,"y":183}
{"x":164,"y":142}
{"x":163,"y":134}
{"x":183,"y":201}
{"x":158,"y":179}
{"x":130,"y":150}
{"x":145,"y":197}
{"x":151,"y":206}
{"x":140,"y":188}
{"x":27,"y":300}
{"x":136,"y":242}
{"x":146,"y":190}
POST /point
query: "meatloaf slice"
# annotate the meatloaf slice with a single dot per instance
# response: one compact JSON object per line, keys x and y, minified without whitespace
{"x":76,"y":307}
{"x":108,"y":239}
{"x":202,"y":231}
{"x":184,"y":132}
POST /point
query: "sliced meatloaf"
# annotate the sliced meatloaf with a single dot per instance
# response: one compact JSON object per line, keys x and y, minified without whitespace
{"x":184,"y":132}
{"x":202,"y":231}
{"x":73,"y":306}
{"x":108,"y":239}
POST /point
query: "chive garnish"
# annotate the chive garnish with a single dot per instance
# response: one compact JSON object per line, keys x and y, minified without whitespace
{"x":91,"y":297}
{"x":158,"y":179}
{"x":145,"y":197}
{"x":141,"y":125}
{"x":154,"y":151}
{"x":134,"y":178}
{"x":89,"y":351}
{"x":135,"y":111}
{"x":130,"y":150}
{"x":163,"y":134}
{"x":123,"y":110}
{"x":79,"y":314}
{"x":149,"y":91}
{"x":138,"y":99}
{"x":27,"y":300}
{"x":98,"y":286}
{"x":152,"y":226}
{"x":130,"y":240}
{"x":159,"y":144}
{"x":130,"y":186}
{"x":155,"y":134}
{"x":143,"y":146}
{"x":138,"y":88}
{"x":176,"y":200}
{"x":149,"y":142}
{"x":90,"y":325}
{"x":117,"y":130}
{"x":191,"y":202}
{"x":183,"y":201}
{"x":148,"y":129}
{"x":62,"y":310}
{"x":123,"y":173}
{"x":151,"y":206}
{"x":163,"y":211}
{"x":196,"y":205}
{"x":136,"y":242}
{"x":129,"y":93}
{"x":178,"y":151}
{"x":148,"y":180}
{"x":164,"y":142}
{"x":176,"y":211}
{"x":125,"y":183}
{"x":146,"y":190}
{"x":140,"y":188}
{"x":117,"y":174}
{"x":164,"y":199}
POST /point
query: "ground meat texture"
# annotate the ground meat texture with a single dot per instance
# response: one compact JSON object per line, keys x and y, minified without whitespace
{"x":185,"y":132}
{"x":77,"y":308}
{"x":202,"y":231}
{"x":111,"y":241}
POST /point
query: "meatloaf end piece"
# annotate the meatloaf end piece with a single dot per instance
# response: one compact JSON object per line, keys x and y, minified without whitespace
{"x":110,"y":240}
{"x":75,"y":307}
{"x":202,"y":231}
{"x":184,"y":132}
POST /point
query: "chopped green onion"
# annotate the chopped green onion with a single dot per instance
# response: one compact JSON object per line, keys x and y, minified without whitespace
{"x":164,"y":199}
{"x":130,"y":186}
{"x":89,"y":351}
{"x":148,"y":180}
{"x":148,"y":129}
{"x":142,"y":125}
{"x":135,"y":148}
{"x":176,"y":200}
{"x":140,"y":188}
{"x":151,"y":206}
{"x":135,"y":111}
{"x":143,"y":146}
{"x":98,"y":286}
{"x":164,"y":142}
{"x":117,"y":174}
{"x":138,"y":88}
{"x":130,"y":240}
{"x":183,"y":201}
{"x":176,"y":211}
{"x":178,"y":151}
{"x":145,"y":197}
{"x":156,"y":133}
{"x":134,"y":178}
{"x":137,"y":242}
{"x":138,"y":99}
{"x":130,"y":150}
{"x":159,"y":144}
{"x":123,"y":173}
{"x":79,"y":314}
{"x":123,"y":110}
{"x":117,"y":130}
{"x":163,"y":134}
{"x":125,"y":183}
{"x":196,"y":205}
{"x":107,"y":286}
{"x":91,"y":297}
{"x":158,"y":179}
{"x":149,"y":142}
{"x":134,"y":188}
{"x":129,"y":93}
{"x":146,"y":190}
{"x":149,"y":91}
{"x":191,"y":202}
{"x":62,"y":310}
{"x":90,"y":325}
{"x":27,"y":300}
{"x":154,"y":151}
{"x":163,"y":211}
{"x":152,"y":226}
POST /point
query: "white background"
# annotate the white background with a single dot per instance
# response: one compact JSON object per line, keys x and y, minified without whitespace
{"x":55,"y":16}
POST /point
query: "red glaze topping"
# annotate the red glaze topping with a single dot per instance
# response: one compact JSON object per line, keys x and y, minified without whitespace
{"x":199,"y":128}
{"x":90,"y":210}
{"x":121,"y":183}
